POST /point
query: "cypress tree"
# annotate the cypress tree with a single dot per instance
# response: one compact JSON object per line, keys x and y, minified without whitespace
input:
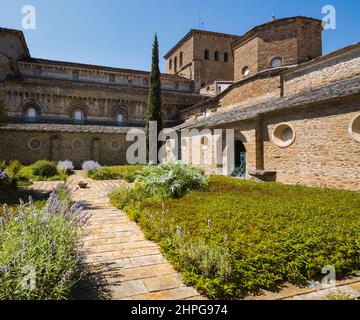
{"x":154,"y":105}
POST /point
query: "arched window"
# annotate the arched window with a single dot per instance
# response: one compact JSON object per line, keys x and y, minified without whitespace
{"x":181,"y":59}
{"x":226,"y":57}
{"x":206,"y":54}
{"x":216,"y":56}
{"x":175,"y":64}
{"x":78,"y":116}
{"x":31,"y":114}
{"x":170,"y":64}
{"x":246,"y":71}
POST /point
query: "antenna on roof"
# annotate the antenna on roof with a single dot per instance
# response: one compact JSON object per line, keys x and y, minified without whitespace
{"x":201,"y":23}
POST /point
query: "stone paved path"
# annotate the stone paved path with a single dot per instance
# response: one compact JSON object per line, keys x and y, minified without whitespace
{"x":121,"y":264}
{"x":43,"y":187}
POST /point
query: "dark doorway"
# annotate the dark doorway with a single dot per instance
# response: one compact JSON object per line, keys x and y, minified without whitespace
{"x":240,"y":160}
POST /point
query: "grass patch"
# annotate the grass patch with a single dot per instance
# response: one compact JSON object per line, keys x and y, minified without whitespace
{"x":240,"y":237}
{"x":26,"y":176}
{"x":127,"y":173}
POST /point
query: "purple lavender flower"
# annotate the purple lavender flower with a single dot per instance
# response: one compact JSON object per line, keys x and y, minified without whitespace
{"x":31,"y":200}
{"x":66,"y":277}
{"x":2,"y":223}
{"x":66,"y":165}
{"x":6,"y":209}
{"x":179,"y":231}
{"x":7,"y":269}
{"x":2,"y":175}
{"x":90,"y":165}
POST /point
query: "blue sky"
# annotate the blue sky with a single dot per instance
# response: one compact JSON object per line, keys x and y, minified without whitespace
{"x":119,"y":33}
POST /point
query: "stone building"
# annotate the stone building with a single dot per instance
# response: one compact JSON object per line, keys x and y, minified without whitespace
{"x":295,"y":112}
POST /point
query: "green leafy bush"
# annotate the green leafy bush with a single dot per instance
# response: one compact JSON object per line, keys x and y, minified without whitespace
{"x":45,"y":169}
{"x":171,"y":179}
{"x":127,"y":173}
{"x":262,"y":235}
{"x":38,"y":257}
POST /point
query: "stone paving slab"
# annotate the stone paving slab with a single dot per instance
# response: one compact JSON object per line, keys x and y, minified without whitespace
{"x":120,"y":262}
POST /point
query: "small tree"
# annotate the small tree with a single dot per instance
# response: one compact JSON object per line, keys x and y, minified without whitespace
{"x":154,"y":104}
{"x":3,"y":107}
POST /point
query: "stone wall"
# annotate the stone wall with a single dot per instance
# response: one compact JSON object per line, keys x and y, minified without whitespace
{"x":194,"y":66}
{"x":57,"y":100}
{"x":256,"y":89}
{"x":337,"y":66}
{"x":211,"y":70}
{"x":251,"y":92}
{"x":108,"y":149}
{"x":323,"y":153}
{"x":246,"y":56}
{"x":294,"y":40}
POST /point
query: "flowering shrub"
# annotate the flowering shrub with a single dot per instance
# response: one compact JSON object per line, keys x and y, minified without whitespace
{"x":65,"y":166}
{"x":90,"y":165}
{"x":38,"y":257}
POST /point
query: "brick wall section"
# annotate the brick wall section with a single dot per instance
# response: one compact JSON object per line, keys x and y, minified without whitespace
{"x":323,"y":153}
{"x":60,"y":146}
{"x":336,"y":67}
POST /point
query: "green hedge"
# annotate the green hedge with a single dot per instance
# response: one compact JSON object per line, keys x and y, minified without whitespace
{"x":240,"y":237}
{"x":127,"y":173}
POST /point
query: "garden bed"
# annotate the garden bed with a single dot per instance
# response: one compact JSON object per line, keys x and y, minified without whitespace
{"x":38,"y":246}
{"x":239,"y":237}
{"x":127,"y":173}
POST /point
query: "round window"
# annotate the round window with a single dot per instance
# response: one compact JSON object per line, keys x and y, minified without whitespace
{"x":35,"y":144}
{"x":246,"y":71}
{"x":354,"y":128}
{"x":276,"y":63}
{"x":283,"y":135}
{"x":115,"y":145}
{"x":77,"y":144}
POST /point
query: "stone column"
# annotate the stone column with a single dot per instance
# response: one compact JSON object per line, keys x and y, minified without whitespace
{"x":95,"y":149}
{"x":259,"y":144}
